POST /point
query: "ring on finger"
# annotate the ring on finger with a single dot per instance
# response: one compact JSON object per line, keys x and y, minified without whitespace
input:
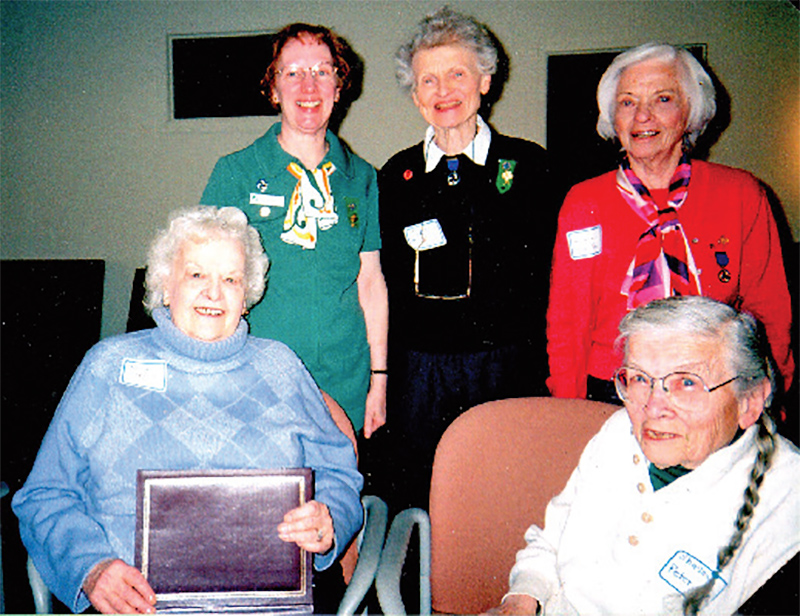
{"x":320,"y":534}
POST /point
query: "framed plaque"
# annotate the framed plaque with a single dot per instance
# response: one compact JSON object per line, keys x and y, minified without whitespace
{"x":207,"y":541}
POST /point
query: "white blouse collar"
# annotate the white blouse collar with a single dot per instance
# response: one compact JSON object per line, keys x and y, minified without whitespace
{"x":476,"y":150}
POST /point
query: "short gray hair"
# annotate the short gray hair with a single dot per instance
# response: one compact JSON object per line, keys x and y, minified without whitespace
{"x":696,"y":86}
{"x":703,"y":316}
{"x":202,"y":223}
{"x":446,"y":27}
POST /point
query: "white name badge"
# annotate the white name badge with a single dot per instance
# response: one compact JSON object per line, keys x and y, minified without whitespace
{"x":684,"y":572}
{"x":425,"y":235}
{"x":144,"y":373}
{"x":585,"y":243}
{"x":267,"y":200}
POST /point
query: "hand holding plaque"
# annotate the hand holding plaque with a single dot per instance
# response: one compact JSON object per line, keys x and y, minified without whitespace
{"x":309,"y":526}
{"x":115,"y":587}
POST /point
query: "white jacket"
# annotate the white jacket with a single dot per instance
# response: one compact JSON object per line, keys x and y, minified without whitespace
{"x":611,"y":545}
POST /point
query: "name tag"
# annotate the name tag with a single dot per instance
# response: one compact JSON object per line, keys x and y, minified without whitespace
{"x":267,"y":200}
{"x":425,"y":235}
{"x":144,"y":373}
{"x":585,"y":243}
{"x":684,"y":572}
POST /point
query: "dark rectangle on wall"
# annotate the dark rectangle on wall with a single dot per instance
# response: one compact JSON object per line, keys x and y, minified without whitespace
{"x":577,"y":152}
{"x":219,"y":76}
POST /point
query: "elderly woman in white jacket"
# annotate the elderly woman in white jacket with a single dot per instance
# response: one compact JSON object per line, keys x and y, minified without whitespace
{"x":685,"y":502}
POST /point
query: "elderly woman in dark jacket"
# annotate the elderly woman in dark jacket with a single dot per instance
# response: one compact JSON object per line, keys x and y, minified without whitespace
{"x":466,"y":246}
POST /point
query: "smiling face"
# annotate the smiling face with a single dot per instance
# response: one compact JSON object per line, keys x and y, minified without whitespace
{"x":306,"y":106}
{"x":448,"y":87}
{"x":651,"y":112}
{"x":670,"y":436}
{"x":205,"y":291}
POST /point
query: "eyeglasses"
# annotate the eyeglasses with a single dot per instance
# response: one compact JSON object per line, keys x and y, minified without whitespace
{"x":323,"y":72}
{"x":685,"y":390}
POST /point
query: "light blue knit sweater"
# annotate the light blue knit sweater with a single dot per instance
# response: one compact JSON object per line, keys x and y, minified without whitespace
{"x":158,"y":399}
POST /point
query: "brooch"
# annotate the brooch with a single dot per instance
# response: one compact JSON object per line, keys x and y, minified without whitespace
{"x":352,"y":213}
{"x":505,"y":175}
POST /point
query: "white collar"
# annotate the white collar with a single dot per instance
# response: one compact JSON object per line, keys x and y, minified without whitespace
{"x":477,"y":150}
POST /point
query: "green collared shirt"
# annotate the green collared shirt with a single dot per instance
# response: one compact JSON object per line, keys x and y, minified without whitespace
{"x":311,"y":302}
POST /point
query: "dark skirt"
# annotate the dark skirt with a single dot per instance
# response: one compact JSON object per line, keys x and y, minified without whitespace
{"x":602,"y":391}
{"x":427,"y":392}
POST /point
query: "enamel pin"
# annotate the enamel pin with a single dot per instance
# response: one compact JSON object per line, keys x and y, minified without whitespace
{"x":505,"y":175}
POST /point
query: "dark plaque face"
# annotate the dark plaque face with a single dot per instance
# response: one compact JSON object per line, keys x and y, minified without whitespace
{"x":207,"y":538}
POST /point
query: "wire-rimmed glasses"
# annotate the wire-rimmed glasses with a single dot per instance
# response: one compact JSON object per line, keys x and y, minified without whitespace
{"x":322,"y":72}
{"x":685,"y":390}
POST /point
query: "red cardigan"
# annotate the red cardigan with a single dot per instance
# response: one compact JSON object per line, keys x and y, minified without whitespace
{"x":729,"y":225}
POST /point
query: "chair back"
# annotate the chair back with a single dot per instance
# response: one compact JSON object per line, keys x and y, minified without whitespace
{"x":341,"y":420}
{"x":350,"y":558}
{"x":496,"y":468}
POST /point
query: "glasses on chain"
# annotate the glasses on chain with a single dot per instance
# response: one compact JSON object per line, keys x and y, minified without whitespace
{"x":323,"y":72}
{"x":685,"y":390}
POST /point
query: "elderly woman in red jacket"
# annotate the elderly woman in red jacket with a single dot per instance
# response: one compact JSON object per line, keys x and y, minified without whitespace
{"x":660,"y":225}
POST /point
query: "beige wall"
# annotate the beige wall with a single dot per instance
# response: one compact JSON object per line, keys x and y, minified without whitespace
{"x":91,"y":162}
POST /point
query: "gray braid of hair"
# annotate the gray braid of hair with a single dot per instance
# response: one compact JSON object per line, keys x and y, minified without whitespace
{"x":765,"y":442}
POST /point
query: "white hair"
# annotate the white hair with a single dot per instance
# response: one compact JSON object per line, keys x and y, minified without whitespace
{"x":204,"y":222}
{"x":446,"y":27}
{"x":695,"y":84}
{"x":744,"y":350}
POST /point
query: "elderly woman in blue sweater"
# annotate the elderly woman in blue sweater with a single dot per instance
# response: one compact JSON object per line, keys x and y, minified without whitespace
{"x":196,"y":392}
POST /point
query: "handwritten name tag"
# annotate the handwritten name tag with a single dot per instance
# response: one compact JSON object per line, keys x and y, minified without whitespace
{"x":425,"y":235}
{"x":144,"y":373}
{"x":585,"y":243}
{"x":684,"y":572}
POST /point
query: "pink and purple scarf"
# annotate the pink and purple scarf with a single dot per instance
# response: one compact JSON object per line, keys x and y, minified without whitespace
{"x":663,"y":264}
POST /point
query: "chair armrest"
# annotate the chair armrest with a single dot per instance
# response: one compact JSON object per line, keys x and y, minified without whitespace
{"x":387,"y":581}
{"x":371,"y":538}
{"x":42,"y":599}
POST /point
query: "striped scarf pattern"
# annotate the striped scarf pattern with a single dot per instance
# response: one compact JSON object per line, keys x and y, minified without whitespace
{"x":663,"y":264}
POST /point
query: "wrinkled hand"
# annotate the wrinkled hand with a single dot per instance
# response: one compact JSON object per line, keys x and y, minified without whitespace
{"x":114,"y":587}
{"x":517,"y":605}
{"x":375,"y":415}
{"x":309,"y":526}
